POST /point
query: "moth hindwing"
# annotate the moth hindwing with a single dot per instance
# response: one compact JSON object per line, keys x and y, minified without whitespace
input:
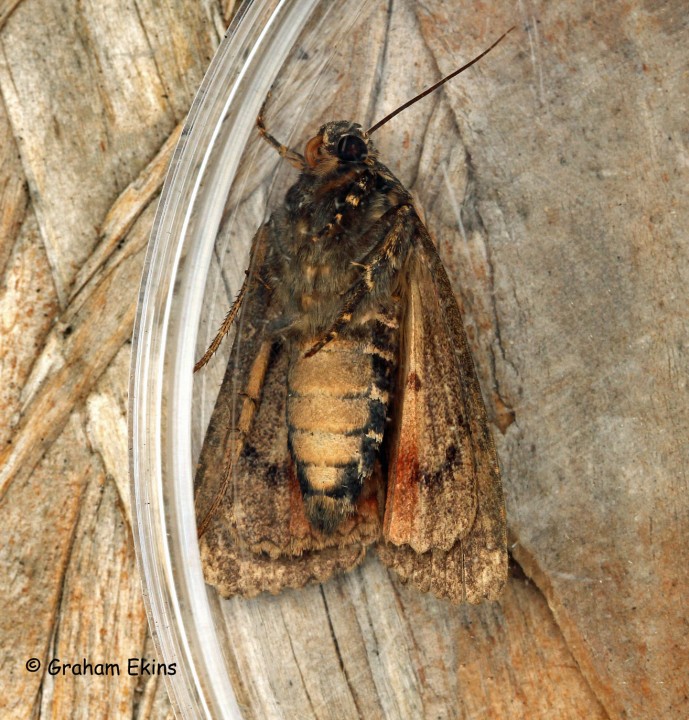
{"x":350,"y":413}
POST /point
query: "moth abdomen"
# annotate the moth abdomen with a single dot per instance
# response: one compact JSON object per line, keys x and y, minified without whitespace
{"x":336,"y":414}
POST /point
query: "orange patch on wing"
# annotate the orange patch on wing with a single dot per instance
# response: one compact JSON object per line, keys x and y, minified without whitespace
{"x":299,"y":525}
{"x":403,"y":494}
{"x":403,"y":480}
{"x":414,"y":382}
{"x":367,"y":504}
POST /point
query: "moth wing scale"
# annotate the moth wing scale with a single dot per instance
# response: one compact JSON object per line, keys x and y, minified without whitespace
{"x":444,"y":523}
{"x":233,"y":412}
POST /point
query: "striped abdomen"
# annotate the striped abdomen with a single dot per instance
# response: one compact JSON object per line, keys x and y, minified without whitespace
{"x":336,"y":413}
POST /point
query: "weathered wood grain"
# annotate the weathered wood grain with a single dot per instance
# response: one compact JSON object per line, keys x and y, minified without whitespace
{"x":88,"y":119}
{"x":13,"y":191}
{"x":35,"y":554}
{"x":554,"y":177}
{"x":362,"y":646}
{"x":581,"y":203}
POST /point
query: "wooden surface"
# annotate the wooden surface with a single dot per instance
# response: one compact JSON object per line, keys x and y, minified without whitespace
{"x":554,"y":177}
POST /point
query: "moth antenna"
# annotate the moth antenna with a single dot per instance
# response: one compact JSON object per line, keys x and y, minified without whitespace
{"x":429,"y":90}
{"x":226,"y":325}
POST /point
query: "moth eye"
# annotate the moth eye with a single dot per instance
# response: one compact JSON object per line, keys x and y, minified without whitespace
{"x":351,"y":148}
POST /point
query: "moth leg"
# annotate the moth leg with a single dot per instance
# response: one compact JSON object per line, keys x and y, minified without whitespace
{"x":292,"y":156}
{"x":383,"y":260}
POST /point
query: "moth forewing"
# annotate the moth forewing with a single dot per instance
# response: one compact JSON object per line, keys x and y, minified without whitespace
{"x":475,"y":568}
{"x":431,"y":500}
{"x":236,"y":403}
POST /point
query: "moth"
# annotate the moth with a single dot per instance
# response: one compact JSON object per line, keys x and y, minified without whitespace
{"x":350,"y":414}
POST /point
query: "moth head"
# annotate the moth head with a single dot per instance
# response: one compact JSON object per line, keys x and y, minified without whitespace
{"x":337,"y":143}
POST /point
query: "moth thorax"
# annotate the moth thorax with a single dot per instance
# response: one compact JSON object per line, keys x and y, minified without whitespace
{"x":336,"y":414}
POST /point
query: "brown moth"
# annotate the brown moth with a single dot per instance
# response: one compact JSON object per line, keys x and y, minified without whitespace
{"x":350,"y":413}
